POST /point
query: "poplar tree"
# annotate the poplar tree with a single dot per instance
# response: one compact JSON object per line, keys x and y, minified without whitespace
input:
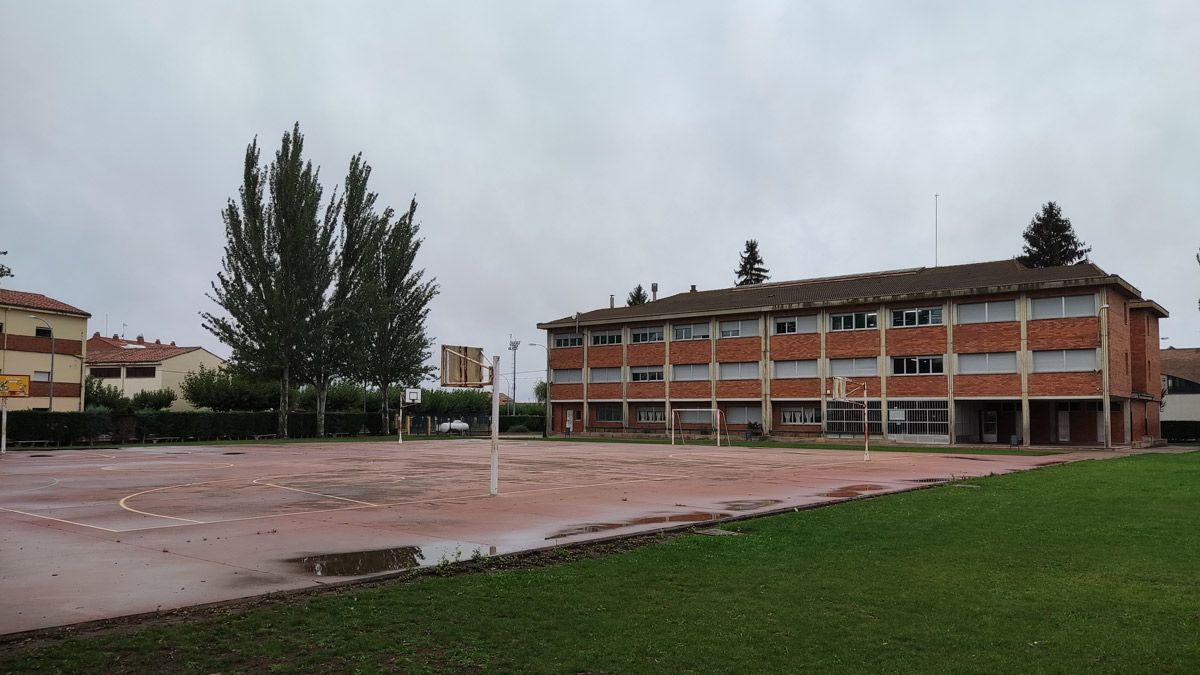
{"x":277,"y":265}
{"x":394,"y":305}
{"x":750,"y":271}
{"x":1050,"y":240}
{"x":637,"y":297}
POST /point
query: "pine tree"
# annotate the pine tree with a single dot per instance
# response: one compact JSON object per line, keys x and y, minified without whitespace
{"x":1050,"y":241}
{"x":637,"y":297}
{"x":277,"y":265}
{"x":751,"y":271}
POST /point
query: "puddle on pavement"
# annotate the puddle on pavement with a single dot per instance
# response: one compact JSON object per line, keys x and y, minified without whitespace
{"x":853,"y":490}
{"x":41,"y":455}
{"x":750,"y":504}
{"x":233,"y":453}
{"x":356,"y":563}
{"x":691,"y":517}
{"x":973,"y":459}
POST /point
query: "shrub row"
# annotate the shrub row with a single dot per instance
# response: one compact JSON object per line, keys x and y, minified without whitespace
{"x":1181,"y":430}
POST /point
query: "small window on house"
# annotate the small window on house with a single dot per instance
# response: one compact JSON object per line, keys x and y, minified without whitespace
{"x":568,"y":375}
{"x":42,"y":331}
{"x":646,"y":374}
{"x":606,"y":337}
{"x":692,"y":331}
{"x":568,"y":340}
{"x":854,"y":321}
{"x":40,"y":376}
{"x":108,"y":373}
{"x":638,"y":335}
{"x":140,"y":371}
{"x":794,"y":369}
{"x":740,"y":328}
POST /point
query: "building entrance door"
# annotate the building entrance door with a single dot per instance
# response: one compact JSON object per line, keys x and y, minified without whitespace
{"x":1064,"y":426}
{"x":989,"y":426}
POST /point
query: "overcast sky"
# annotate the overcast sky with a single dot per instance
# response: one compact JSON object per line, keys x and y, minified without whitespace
{"x":563,"y":151}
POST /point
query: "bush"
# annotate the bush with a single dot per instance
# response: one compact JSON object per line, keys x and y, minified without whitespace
{"x":526,"y":422}
{"x":518,"y":429}
{"x":157,"y":399}
{"x":1181,"y":430}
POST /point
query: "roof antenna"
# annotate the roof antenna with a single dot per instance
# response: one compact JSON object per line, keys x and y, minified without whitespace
{"x":935,"y":229}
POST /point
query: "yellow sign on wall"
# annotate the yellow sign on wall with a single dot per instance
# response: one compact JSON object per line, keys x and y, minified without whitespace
{"x":14,"y":386}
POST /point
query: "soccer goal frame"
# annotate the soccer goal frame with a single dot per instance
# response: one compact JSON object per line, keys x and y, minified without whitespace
{"x":718,"y":419}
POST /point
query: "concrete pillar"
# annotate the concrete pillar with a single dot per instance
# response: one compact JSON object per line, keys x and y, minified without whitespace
{"x":1023,"y":366}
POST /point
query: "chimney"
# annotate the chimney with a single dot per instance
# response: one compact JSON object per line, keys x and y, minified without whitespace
{"x":116,"y":336}
{"x":96,"y":334}
{"x":693,"y":289}
{"x":653,"y":291}
{"x":612,"y":301}
{"x":172,"y":343}
{"x":157,"y":341}
{"x":142,"y":338}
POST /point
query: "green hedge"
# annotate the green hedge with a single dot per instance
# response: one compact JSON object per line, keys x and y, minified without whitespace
{"x":1181,"y":430}
{"x":530,"y":422}
{"x":60,"y":428}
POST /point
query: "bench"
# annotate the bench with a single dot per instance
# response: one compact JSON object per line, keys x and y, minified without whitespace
{"x":29,"y":444}
{"x":336,"y":434}
{"x":162,"y":439}
{"x":259,"y":437}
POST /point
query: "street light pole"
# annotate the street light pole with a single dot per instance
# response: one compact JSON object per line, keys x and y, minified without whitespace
{"x":51,"y":329}
{"x":546,"y":403}
{"x":512,"y":347}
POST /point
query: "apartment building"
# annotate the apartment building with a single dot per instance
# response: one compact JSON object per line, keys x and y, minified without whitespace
{"x":30,"y":323}
{"x":981,"y":353}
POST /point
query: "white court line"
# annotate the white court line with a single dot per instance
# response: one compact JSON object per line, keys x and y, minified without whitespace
{"x":310,"y":492}
{"x":61,"y":520}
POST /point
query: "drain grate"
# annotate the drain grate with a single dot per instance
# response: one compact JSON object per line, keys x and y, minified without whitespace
{"x":928,"y":480}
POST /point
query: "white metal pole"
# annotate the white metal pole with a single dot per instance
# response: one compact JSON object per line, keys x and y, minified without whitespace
{"x":494,"y":487}
{"x":400,"y":426}
{"x":4,"y":425}
{"x":866,"y":428}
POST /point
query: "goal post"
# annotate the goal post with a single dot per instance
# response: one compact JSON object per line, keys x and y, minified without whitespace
{"x":716,"y":418}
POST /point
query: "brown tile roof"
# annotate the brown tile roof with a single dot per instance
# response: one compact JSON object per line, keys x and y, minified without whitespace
{"x":148,"y":355}
{"x":37,"y":301}
{"x":1183,"y":363}
{"x":974,"y":278}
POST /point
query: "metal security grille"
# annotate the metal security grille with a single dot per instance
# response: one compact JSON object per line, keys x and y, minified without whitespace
{"x":845,"y":419}
{"x":924,"y":421}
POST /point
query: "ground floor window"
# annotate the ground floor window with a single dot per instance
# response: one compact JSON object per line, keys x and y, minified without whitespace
{"x":929,"y":417}
{"x":651,"y":415}
{"x":609,"y":413}
{"x":845,"y":418}
{"x":804,"y":414}
{"x":743,"y":414}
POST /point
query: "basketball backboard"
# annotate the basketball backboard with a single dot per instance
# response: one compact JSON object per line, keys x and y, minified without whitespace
{"x":463,"y":367}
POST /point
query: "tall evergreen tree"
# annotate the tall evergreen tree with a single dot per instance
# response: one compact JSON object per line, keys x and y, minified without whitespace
{"x":750,"y":271}
{"x":277,"y":265}
{"x":637,"y":297}
{"x":1050,"y":240}
{"x":395,"y":304}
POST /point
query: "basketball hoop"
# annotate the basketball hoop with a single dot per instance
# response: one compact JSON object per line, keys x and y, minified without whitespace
{"x":841,"y":390}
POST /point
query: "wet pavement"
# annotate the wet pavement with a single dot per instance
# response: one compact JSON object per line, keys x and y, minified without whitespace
{"x":93,"y":534}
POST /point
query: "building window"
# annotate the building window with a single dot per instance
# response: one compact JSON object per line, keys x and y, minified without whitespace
{"x":604,"y":375}
{"x":646,"y":374}
{"x":995,"y":362}
{"x":139,"y":371}
{"x":1064,"y":361}
{"x":568,"y":340}
{"x":42,"y":331}
{"x":40,"y":376}
{"x":690,"y":371}
{"x":1063,"y":307}
{"x":925,"y":316}
{"x":786,"y":325}
{"x":606,"y":337}
{"x":568,"y":375}
{"x":917,"y":365}
{"x":740,"y":328}
{"x":843,"y":418}
{"x":609,"y":413}
{"x":109,"y":373}
{"x":987,"y":312}
{"x":852,"y":367}
{"x":854,"y":321}
{"x":637,"y":335}
{"x":698,"y":417}
{"x":693,"y":331}
{"x":792,"y":369}
{"x":743,"y":414}
{"x":651,"y":415}
{"x":919,"y":418}
{"x":809,"y":414}
{"x":739,"y":371}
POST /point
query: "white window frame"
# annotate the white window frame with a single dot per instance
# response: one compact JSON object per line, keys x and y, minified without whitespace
{"x":801,"y":414}
{"x":990,"y":308}
{"x":868,"y":319}
{"x":605,"y":372}
{"x":647,"y":331}
{"x":603,"y":338}
{"x":855,"y":367}
{"x":738,"y":328}
{"x":1044,"y":308}
{"x":932,"y":359}
{"x":636,"y":373}
{"x":567,"y":338}
{"x":656,"y":414}
{"x":689,"y":329}
{"x":988,"y":367}
{"x":1044,"y":361}
{"x":571,"y":375}
{"x":739,"y":370}
{"x":916,"y":314}
{"x":691,"y":367}
{"x":800,"y":370}
{"x":601,"y":407}
{"x":804,"y":323}
{"x":740,"y":414}
{"x":40,"y":376}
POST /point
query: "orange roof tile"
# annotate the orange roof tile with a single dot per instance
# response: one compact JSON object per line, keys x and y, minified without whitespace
{"x":37,"y":301}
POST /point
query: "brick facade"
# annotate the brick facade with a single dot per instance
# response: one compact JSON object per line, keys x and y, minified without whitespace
{"x":691,"y":351}
{"x":805,"y":387}
{"x":922,"y":341}
{"x":652,"y":354}
{"x":734,"y":350}
{"x":795,"y":347}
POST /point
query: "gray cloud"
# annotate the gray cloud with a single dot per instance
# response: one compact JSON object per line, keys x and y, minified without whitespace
{"x":561,"y":152}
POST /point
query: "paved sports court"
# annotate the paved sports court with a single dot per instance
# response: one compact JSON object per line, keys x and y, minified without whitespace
{"x":92,"y":534}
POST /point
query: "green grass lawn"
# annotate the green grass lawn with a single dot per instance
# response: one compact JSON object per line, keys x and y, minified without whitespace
{"x":1088,"y":567}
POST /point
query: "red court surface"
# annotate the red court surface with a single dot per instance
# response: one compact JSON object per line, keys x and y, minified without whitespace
{"x":104,"y":533}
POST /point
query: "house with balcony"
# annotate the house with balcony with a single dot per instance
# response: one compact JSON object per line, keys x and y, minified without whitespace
{"x":43,"y":338}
